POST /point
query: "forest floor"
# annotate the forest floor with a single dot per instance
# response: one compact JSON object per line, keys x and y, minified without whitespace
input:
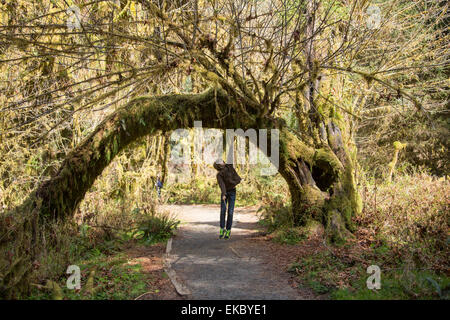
{"x":243,"y":267}
{"x":256,"y":265}
{"x":247,"y":266}
{"x":253,"y":264}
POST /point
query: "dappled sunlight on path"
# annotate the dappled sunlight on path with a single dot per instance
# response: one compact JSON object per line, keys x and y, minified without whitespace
{"x":223,"y":269}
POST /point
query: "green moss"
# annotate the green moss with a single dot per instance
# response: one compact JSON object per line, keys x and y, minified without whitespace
{"x":313,"y":195}
{"x":336,"y":230}
{"x":313,"y":227}
{"x":115,"y":145}
{"x":128,"y":124}
{"x":326,"y":159}
{"x":398,"y":145}
{"x":294,"y":148}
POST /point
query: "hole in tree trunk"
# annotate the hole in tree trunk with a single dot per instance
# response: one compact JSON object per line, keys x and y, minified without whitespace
{"x":324,"y":179}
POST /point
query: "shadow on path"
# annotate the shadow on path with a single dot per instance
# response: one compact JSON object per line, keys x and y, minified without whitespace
{"x":223,"y":269}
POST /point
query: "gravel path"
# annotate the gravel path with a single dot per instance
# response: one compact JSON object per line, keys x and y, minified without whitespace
{"x":223,"y":269}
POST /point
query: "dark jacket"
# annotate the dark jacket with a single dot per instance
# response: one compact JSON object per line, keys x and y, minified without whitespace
{"x":227,"y":177}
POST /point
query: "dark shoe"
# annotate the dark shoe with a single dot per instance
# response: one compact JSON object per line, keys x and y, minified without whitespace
{"x":221,"y":233}
{"x":227,"y":234}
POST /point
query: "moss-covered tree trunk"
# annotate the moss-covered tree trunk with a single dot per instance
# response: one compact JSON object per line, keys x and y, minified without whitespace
{"x":321,"y":181}
{"x":318,"y":165}
{"x":320,"y":177}
{"x":59,"y":196}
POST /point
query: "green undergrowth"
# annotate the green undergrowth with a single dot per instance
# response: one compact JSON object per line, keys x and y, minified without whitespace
{"x":105,"y":269}
{"x":98,"y":247}
{"x":396,"y":285}
{"x":153,"y":228}
{"x":195,"y":192}
{"x":254,"y":189}
{"x":104,"y":275}
{"x":342,"y":278}
{"x":207,"y":192}
{"x":403,"y":229}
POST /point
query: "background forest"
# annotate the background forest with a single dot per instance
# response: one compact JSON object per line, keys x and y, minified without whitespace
{"x":66,"y":65}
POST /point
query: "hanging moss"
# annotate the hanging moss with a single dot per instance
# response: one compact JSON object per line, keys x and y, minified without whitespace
{"x":397,"y":146}
{"x":142,"y":116}
{"x":301,"y":162}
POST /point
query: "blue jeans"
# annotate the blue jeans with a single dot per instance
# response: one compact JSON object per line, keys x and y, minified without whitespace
{"x":230,"y":200}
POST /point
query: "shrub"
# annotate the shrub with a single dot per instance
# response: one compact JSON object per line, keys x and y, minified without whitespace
{"x":155,"y":227}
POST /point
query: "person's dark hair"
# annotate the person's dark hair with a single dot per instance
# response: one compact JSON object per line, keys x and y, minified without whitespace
{"x":219,"y":164}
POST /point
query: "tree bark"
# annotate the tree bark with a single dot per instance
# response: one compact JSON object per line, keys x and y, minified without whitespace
{"x":143,"y":116}
{"x":320,"y":179}
{"x":321,"y":182}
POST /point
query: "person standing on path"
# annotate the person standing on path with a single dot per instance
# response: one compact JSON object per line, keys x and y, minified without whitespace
{"x":227,"y":179}
{"x":158,"y":185}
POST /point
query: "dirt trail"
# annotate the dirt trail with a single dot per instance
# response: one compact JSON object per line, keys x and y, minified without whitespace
{"x":224,"y":269}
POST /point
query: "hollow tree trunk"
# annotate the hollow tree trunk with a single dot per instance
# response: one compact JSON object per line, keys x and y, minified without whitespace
{"x":321,"y":182}
{"x":320,"y":174}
